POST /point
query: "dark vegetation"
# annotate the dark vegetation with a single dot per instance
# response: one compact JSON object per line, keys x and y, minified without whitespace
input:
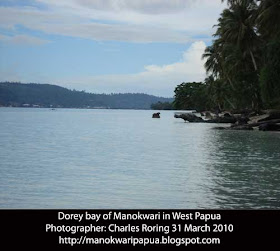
{"x":243,"y":62}
{"x":45,"y":95}
{"x":162,"y":106}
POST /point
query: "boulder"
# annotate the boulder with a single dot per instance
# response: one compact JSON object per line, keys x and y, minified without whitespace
{"x":269,"y":127}
{"x":227,"y":115}
{"x":156,"y":115}
{"x":242,"y":120}
{"x":208,"y":115}
{"x":258,"y":118}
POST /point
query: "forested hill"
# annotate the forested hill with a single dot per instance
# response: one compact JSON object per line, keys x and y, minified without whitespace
{"x":46,"y":95}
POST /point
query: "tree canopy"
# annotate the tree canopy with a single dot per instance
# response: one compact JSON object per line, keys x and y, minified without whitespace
{"x":243,"y":61}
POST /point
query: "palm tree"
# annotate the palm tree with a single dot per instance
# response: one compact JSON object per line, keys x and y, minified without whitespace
{"x":213,"y":62}
{"x":268,"y":19}
{"x":234,"y":56}
{"x":218,"y":91}
{"x":218,"y":82}
{"x":236,"y":27}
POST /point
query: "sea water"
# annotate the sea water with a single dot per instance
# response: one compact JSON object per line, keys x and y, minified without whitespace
{"x":78,"y":158}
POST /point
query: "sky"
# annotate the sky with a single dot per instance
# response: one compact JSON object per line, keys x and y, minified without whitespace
{"x":106,"y":46}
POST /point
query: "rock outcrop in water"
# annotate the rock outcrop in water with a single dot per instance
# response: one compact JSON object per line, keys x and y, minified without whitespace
{"x":190,"y":117}
{"x":156,"y":115}
{"x":266,"y":121}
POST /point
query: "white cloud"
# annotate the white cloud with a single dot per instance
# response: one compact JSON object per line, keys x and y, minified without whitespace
{"x":23,"y":40}
{"x":122,"y":20}
{"x":155,"y":79}
{"x":142,"y":6}
{"x":67,"y":26}
{"x":184,"y":15}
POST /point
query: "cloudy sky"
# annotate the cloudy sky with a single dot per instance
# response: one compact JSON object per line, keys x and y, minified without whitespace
{"x":106,"y":46}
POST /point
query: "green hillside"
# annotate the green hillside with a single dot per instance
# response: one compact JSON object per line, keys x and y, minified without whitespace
{"x":46,"y":95}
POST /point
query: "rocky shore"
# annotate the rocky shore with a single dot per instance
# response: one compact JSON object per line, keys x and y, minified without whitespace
{"x":268,"y":120}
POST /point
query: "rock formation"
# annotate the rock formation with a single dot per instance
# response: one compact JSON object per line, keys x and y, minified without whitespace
{"x":156,"y":115}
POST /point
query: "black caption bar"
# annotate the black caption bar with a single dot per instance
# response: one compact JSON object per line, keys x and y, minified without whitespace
{"x":216,"y":229}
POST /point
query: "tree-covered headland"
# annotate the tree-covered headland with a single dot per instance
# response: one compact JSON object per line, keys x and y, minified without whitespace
{"x":242,"y":63}
{"x":46,"y":95}
{"x":162,"y":106}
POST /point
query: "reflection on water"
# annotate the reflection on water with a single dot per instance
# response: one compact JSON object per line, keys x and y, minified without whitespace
{"x":246,"y":169}
{"x":125,"y":159}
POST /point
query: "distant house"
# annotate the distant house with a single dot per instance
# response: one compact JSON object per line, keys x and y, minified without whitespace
{"x":26,"y":105}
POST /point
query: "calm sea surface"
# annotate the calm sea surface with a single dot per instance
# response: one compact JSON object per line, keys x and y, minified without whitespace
{"x":71,"y":158}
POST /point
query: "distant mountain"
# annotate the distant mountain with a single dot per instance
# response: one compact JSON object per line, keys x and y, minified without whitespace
{"x":46,"y":95}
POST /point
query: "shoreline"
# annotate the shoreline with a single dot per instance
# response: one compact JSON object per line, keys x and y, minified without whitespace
{"x":268,"y":120}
